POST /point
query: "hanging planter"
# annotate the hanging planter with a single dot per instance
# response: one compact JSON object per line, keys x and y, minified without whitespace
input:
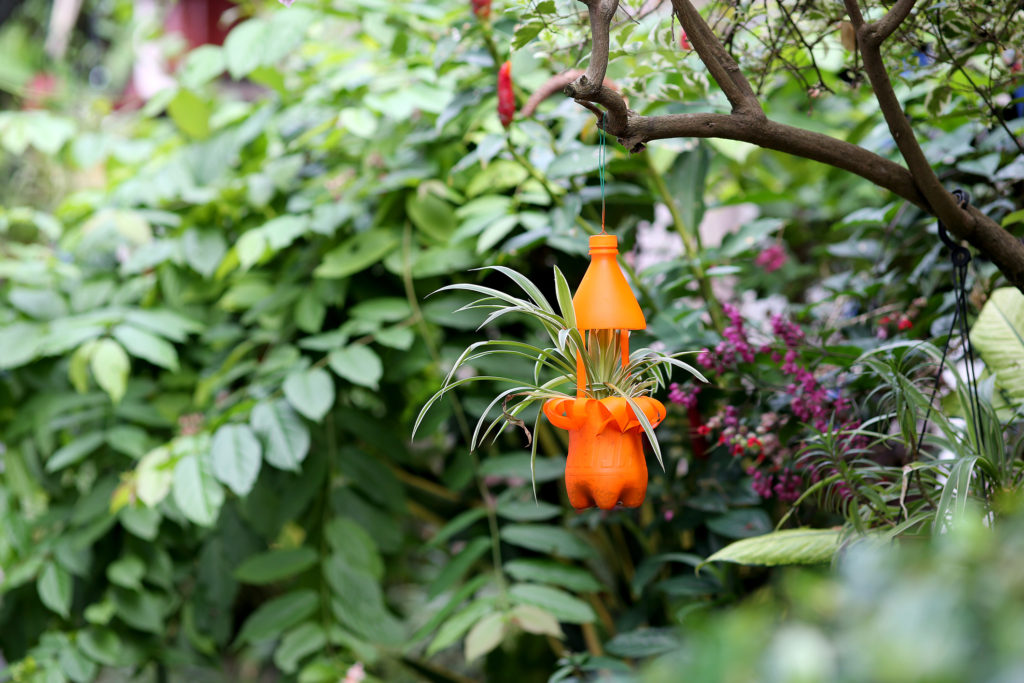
{"x":606,"y":464}
{"x":590,"y":383}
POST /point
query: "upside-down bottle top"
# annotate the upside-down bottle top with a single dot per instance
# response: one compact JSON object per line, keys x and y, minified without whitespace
{"x":604,"y":300}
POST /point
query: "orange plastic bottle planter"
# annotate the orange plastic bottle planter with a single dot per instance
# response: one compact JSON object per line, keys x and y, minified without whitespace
{"x":606,"y":459}
{"x":606,"y":454}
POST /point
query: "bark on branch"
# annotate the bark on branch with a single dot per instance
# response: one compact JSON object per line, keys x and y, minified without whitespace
{"x":917,"y":183}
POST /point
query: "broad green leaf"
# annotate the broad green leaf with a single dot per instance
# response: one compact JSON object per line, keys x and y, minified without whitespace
{"x":310,"y":312}
{"x":196,"y":491}
{"x":359,"y":602}
{"x":141,"y":609}
{"x":548,"y":571}
{"x":284,"y":436}
{"x":74,"y":451}
{"x":453,"y":629}
{"x":524,"y":511}
{"x":998,"y":335}
{"x":78,"y":366}
{"x":154,"y":476}
{"x":191,"y":113}
{"x":741,"y":523}
{"x":533,"y":619}
{"x":459,"y":565}
{"x":297,"y":644}
{"x":276,"y":616}
{"x":244,"y":46}
{"x":555,"y":600}
{"x":110,"y":366}
{"x":76,"y":665}
{"x":432,"y":215}
{"x":551,"y":540}
{"x":102,"y":645}
{"x":21,"y":342}
{"x":127,"y":572}
{"x":54,"y":588}
{"x":311,"y":392}
{"x":250,"y":248}
{"x":275,"y":565}
{"x":147,"y":346}
{"x":356,"y":254}
{"x":360,"y":549}
{"x":789,"y":546}
{"x":236,"y":457}
{"x":204,"y":249}
{"x":485,"y":635}
{"x":358,"y":364}
{"x":202,"y":65}
{"x":388,"y":309}
{"x":646,"y":642}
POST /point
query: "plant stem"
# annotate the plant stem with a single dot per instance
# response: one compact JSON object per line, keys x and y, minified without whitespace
{"x":460,"y":418}
{"x":691,"y":244}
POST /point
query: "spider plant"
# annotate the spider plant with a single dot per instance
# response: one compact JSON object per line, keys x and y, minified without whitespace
{"x":554,"y":366}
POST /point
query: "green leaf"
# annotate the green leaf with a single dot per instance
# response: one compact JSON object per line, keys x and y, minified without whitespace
{"x":645,"y":642}
{"x":147,"y":346}
{"x":741,"y":523}
{"x":359,"y":603}
{"x":244,"y":46}
{"x":357,"y":364}
{"x":102,"y":645}
{"x":236,"y":457}
{"x":345,"y":535}
{"x":432,"y":215}
{"x":196,"y":491}
{"x":548,"y":571}
{"x":561,"y":604}
{"x":140,"y":609}
{"x":311,"y":392}
{"x":789,"y":546}
{"x":486,"y":635}
{"x":154,"y":476}
{"x":356,"y":254}
{"x":998,"y":336}
{"x":21,"y":342}
{"x":78,"y":366}
{"x":533,"y":619}
{"x":191,"y":113}
{"x":459,"y":565}
{"x":203,"y":249}
{"x":202,"y":65}
{"x":297,"y":644}
{"x":76,"y":450}
{"x":275,"y":565}
{"x":54,"y":588}
{"x":550,"y":540}
{"x":523,"y":511}
{"x":127,"y":572}
{"x":285,"y":437}
{"x":453,"y":628}
{"x":310,"y":312}
{"x":110,"y":366}
{"x":276,"y":616}
{"x":250,"y":248}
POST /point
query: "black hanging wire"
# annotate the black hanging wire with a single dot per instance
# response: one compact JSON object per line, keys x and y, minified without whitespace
{"x":960,"y":258}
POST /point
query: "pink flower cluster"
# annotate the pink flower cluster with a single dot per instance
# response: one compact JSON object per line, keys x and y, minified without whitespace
{"x":809,"y":401}
{"x":772,"y":258}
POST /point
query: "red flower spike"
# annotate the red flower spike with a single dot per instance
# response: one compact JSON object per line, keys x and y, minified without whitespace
{"x":904,"y":324}
{"x":684,"y":41}
{"x":482,"y":9}
{"x":506,"y":96}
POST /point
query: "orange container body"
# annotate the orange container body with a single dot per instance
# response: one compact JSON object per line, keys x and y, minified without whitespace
{"x":606,"y":463}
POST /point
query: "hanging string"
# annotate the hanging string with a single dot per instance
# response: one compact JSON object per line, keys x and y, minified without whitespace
{"x":960,"y":259}
{"x":602,"y":158}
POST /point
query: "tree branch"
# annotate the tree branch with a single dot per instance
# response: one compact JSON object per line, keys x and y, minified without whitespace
{"x":780,"y":137}
{"x":720,"y":64}
{"x":917,"y":184}
{"x":967,"y":223}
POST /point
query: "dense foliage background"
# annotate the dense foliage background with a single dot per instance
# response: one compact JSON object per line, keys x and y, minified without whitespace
{"x":215,"y":335}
